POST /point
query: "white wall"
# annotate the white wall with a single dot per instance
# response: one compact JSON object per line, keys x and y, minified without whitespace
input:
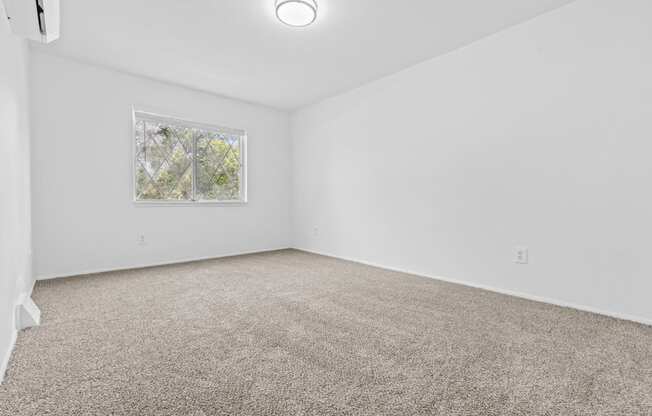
{"x":540,"y":135}
{"x":83,"y":214}
{"x":15,"y":234}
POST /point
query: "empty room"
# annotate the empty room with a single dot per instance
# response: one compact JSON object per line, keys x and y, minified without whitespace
{"x":326,"y":207}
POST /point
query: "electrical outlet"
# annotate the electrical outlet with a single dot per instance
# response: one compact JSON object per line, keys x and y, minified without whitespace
{"x":141,"y":240}
{"x":315,"y":231}
{"x":521,"y":255}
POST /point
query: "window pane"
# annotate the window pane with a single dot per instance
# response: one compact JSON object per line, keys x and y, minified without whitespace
{"x":218,"y":167}
{"x":163,"y":162}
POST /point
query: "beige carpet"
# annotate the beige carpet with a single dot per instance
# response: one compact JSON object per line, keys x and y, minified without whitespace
{"x":291,"y":333}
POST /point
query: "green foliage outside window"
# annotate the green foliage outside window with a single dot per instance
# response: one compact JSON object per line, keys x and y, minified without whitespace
{"x":168,"y":157}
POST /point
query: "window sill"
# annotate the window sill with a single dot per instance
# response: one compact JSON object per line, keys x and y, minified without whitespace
{"x":189,"y":203}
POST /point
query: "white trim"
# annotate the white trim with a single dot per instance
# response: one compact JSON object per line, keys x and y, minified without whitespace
{"x":4,"y":364}
{"x":31,"y":289}
{"x":157,"y":117}
{"x":144,"y":204}
{"x":27,"y":314}
{"x":157,"y":264}
{"x":556,"y":302}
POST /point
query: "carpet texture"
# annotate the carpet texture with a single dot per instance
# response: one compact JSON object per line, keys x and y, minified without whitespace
{"x":291,"y":333}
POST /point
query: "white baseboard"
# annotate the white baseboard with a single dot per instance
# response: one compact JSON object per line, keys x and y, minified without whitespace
{"x":556,"y":302}
{"x":155,"y":264}
{"x":4,"y":364}
{"x":27,"y":314}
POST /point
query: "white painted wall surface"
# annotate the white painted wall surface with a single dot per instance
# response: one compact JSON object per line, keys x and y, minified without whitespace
{"x":84,"y":217}
{"x":15,"y":223}
{"x":538,"y":136}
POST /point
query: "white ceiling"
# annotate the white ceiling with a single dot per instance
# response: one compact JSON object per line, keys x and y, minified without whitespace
{"x":237,"y":48}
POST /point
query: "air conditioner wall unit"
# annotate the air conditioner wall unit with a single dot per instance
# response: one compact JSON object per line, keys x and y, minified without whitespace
{"x":37,"y":20}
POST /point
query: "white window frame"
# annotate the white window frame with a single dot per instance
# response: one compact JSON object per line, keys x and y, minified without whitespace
{"x":138,"y":114}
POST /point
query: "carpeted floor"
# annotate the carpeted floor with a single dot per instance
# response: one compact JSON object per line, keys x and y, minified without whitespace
{"x":291,"y":333}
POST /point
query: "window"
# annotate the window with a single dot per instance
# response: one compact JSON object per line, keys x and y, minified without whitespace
{"x":181,"y":161}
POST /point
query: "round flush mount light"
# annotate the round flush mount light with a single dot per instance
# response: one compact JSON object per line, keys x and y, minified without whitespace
{"x":296,"y":13}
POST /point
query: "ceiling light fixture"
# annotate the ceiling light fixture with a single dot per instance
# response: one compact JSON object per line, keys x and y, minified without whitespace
{"x":296,"y":13}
